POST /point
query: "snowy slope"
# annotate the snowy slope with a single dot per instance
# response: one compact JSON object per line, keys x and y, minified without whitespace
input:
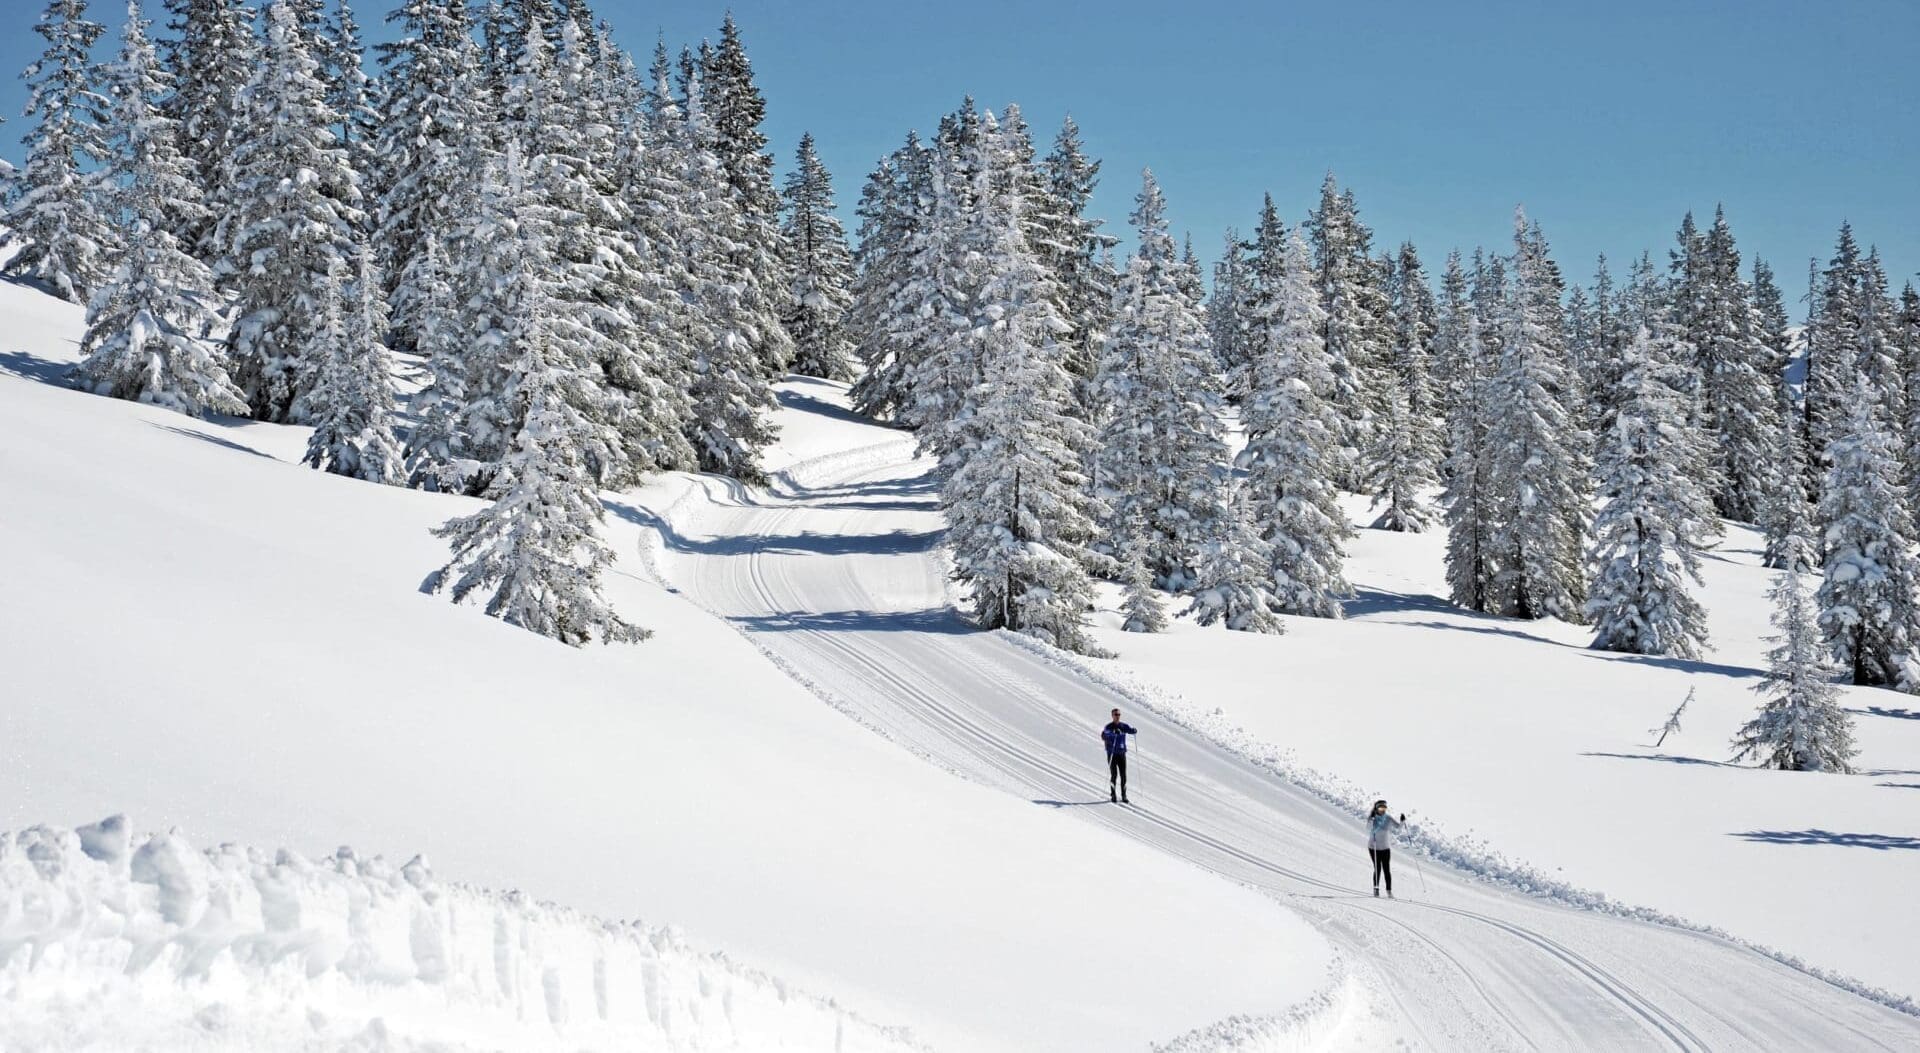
{"x":841,"y":578}
{"x":202,"y":634}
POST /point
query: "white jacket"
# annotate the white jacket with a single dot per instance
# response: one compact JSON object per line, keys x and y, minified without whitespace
{"x":1380,"y":830}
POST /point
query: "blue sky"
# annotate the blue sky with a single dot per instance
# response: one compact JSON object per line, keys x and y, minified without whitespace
{"x":1607,"y":120}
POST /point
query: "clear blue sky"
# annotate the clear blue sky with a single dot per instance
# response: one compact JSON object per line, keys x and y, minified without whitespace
{"x":1607,"y":120}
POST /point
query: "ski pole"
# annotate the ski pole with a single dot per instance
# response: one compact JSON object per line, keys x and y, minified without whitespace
{"x":1420,"y":871}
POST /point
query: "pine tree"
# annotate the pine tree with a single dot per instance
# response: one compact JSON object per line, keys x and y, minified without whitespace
{"x":1538,"y":469}
{"x":147,"y":330}
{"x":211,"y":55}
{"x":947,"y":270}
{"x":351,"y":93}
{"x":1453,"y":315}
{"x":1737,"y":402}
{"x":434,"y":445}
{"x":822,"y":271}
{"x":1351,"y":304}
{"x":1832,"y":345}
{"x":294,"y":211}
{"x":1654,"y":519}
{"x":426,"y":152}
{"x":1470,"y":500}
{"x":1141,"y":608}
{"x":64,"y":237}
{"x":1071,"y":246}
{"x":1867,"y":602}
{"x":892,"y":203}
{"x":1801,"y":726}
{"x":735,"y":108}
{"x":350,"y":404}
{"x":1227,"y":323}
{"x":1018,"y":513}
{"x":1786,"y":517}
{"x":1162,"y":449}
{"x":1235,"y":584}
{"x":1292,"y":451}
{"x":1407,"y":447}
{"x":1909,"y":334}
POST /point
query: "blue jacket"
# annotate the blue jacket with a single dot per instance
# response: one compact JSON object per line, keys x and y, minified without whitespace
{"x":1115,"y":736}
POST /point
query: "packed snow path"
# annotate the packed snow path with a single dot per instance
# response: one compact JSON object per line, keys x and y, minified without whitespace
{"x":841,"y":579}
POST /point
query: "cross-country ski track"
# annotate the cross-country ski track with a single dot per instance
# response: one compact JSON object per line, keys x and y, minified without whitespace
{"x":838,"y":575}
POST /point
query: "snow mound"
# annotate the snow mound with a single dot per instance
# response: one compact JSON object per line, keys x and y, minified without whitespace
{"x":108,"y":941}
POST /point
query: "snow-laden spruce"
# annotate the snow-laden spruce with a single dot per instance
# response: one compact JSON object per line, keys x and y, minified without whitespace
{"x":1162,"y":454}
{"x":1654,"y":519}
{"x":1142,"y":607}
{"x":1235,"y":585}
{"x":1801,"y":726}
{"x":212,"y":52}
{"x":1868,"y":612}
{"x":64,"y":236}
{"x":1293,"y":453}
{"x":1355,"y":321}
{"x":149,"y":329}
{"x":1403,"y":462}
{"x":1786,"y":512}
{"x":1228,"y":318}
{"x":1468,"y":498}
{"x":535,"y":550}
{"x":822,"y":271}
{"x":350,"y":403}
{"x":1737,"y":400}
{"x":294,"y":208}
{"x":1018,"y":514}
{"x":1538,"y":469}
{"x":1072,"y":247}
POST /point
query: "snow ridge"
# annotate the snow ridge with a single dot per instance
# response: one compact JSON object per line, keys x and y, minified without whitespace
{"x":1466,"y":854}
{"x":108,"y":941}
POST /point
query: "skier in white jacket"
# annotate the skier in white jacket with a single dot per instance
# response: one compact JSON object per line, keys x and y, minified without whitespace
{"x":1380,"y":828}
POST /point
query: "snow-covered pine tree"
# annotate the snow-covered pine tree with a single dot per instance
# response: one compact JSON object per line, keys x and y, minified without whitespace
{"x":1737,"y":403}
{"x":1868,"y":611}
{"x":350,"y":403}
{"x":892,"y":202}
{"x":1292,"y":451}
{"x":1141,"y":608}
{"x":1403,"y":461}
{"x":435,"y":443}
{"x":1162,"y":452}
{"x":735,"y":109}
{"x":731,"y":392}
{"x":947,"y":267}
{"x":1654,"y":519}
{"x":426,"y":153}
{"x":1350,"y":302}
{"x":208,"y":59}
{"x":1191,"y":279}
{"x":1235,"y":585}
{"x":1018,"y":514}
{"x":1227,"y":324}
{"x":1071,"y":246}
{"x":56,"y":217}
{"x":1539,"y":465}
{"x":352,"y":94}
{"x":1453,"y":312}
{"x":1832,"y":343}
{"x":1801,"y":726}
{"x":148,"y":328}
{"x":1469,"y":499}
{"x":1909,"y":335}
{"x":822,"y":271}
{"x":1772,"y":324}
{"x":1877,"y":342}
{"x":1787,"y":515}
{"x":294,"y":209}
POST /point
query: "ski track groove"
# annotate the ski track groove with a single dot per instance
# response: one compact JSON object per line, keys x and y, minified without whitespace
{"x":1013,"y":759}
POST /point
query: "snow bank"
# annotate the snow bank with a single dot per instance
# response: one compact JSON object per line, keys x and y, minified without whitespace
{"x":113,"y":942}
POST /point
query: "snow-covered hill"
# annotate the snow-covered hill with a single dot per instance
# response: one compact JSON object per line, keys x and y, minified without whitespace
{"x":201,"y":633}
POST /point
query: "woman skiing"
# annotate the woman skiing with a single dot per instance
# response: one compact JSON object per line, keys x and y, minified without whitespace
{"x":1380,"y":828}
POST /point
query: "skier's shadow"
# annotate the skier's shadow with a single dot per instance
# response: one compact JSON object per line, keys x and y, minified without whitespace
{"x":1073,"y":804}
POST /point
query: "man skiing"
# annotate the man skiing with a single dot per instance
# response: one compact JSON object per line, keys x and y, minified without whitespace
{"x":1115,"y":736}
{"x":1380,"y":828}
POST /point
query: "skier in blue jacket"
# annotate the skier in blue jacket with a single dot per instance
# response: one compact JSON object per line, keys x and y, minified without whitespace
{"x":1115,"y":736}
{"x":1380,"y":828}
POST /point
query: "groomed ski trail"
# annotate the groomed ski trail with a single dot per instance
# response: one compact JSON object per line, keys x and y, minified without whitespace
{"x":839,"y":577}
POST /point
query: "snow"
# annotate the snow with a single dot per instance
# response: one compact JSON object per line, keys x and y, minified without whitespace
{"x":111,"y":942}
{"x":1514,"y":735}
{"x":204,"y":634}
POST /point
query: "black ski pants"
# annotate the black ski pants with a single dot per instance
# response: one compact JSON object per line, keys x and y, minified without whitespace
{"x":1382,"y":866}
{"x":1117,"y":770}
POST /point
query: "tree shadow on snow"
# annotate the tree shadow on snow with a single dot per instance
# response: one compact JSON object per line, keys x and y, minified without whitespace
{"x":226,"y":444}
{"x":1887,"y":711}
{"x":1900,"y":785}
{"x":1883,"y":842}
{"x":795,"y":400}
{"x":1382,"y":601}
{"x":33,"y":367}
{"x":1666,"y":758}
{"x":1684,"y":665}
{"x":940,"y":621}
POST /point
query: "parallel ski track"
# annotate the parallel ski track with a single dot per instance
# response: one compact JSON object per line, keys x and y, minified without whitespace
{"x":999,"y":754}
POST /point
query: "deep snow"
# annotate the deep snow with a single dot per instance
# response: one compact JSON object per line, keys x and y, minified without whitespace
{"x":199,"y":632}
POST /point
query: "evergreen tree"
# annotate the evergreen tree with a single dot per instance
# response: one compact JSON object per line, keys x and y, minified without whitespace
{"x":208,"y":60}
{"x":1538,"y":471}
{"x":1832,"y":345}
{"x":822,"y":271}
{"x":1227,"y":322}
{"x":1018,"y":514}
{"x":293,"y":214}
{"x":1867,"y":603}
{"x":1292,"y":450}
{"x":1877,"y":343}
{"x":351,"y":93}
{"x":1909,"y":331}
{"x":1787,"y":517}
{"x":350,"y":404}
{"x":735,"y":109}
{"x":435,"y":444}
{"x":147,"y":329}
{"x":1469,"y":500}
{"x":896,"y":197}
{"x":1162,"y":449}
{"x":1453,"y":315}
{"x":1235,"y":584}
{"x":1070,"y":245}
{"x":1141,"y":609}
{"x":1407,"y":444}
{"x":1654,"y":519}
{"x":64,"y":237}
{"x":1350,"y":304}
{"x":1737,"y":403}
{"x":1801,"y":726}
